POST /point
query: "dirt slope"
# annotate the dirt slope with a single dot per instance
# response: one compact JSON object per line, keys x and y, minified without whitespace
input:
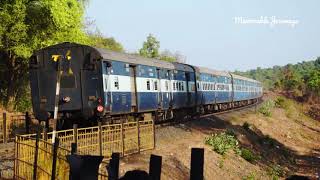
{"x":288,"y":140}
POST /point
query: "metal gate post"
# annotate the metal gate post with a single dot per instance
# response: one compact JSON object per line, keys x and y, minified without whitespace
{"x":27,"y":119}
{"x":35,"y":163}
{"x":154,"y":134}
{"x":4,"y":127}
{"x":138,"y":134}
{"x":54,"y":161}
{"x":113,"y":167}
{"x":155,"y":167}
{"x":197,"y":160}
{"x":84,"y":167}
{"x":75,"y":133}
{"x":122,"y":139}
{"x":100,"y":137}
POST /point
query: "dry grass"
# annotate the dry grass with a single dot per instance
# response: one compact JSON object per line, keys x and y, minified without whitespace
{"x":286,"y":143}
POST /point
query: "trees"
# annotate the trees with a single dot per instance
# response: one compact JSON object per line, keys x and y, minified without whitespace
{"x":27,"y":25}
{"x":150,"y":47}
{"x":298,"y":80}
{"x":313,"y":80}
{"x":98,"y":40}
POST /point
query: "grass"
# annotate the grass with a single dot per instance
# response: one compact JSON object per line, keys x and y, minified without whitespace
{"x":275,"y":171}
{"x":288,"y":105}
{"x":266,"y":108}
{"x":251,"y":176}
{"x":248,"y":155}
{"x":223,"y":142}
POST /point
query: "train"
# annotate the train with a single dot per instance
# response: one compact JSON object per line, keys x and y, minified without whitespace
{"x":98,"y":84}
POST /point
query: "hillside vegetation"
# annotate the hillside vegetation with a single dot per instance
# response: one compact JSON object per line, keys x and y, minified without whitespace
{"x":300,"y":82}
{"x":244,"y":144}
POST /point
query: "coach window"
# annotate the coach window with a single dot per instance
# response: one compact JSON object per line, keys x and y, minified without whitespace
{"x":116,"y":83}
{"x":182,"y":87}
{"x":167,"y":85}
{"x":148,"y":85}
{"x":174,"y":86}
{"x":156,"y":85}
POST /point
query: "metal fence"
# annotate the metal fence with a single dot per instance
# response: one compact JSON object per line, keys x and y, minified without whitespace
{"x":125,"y":138}
{"x":27,"y":164}
{"x":14,"y":124}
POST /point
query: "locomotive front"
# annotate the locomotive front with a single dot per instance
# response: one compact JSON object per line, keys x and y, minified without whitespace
{"x":75,"y":70}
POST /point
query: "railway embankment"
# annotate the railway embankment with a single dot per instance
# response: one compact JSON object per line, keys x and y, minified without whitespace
{"x":273,"y":141}
{"x":273,"y":145}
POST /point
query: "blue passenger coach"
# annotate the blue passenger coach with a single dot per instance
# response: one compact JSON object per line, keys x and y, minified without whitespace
{"x":102,"y":84}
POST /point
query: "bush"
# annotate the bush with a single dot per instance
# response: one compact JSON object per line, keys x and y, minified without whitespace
{"x":266,"y":108}
{"x":275,"y":171}
{"x":222,"y":142}
{"x":246,"y":126}
{"x":280,"y":102}
{"x":251,"y":176}
{"x":248,"y":155}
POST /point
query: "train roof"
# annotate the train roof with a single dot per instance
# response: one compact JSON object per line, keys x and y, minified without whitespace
{"x":134,"y":59}
{"x":117,"y":56}
{"x":243,"y":78}
{"x":213,"y":72}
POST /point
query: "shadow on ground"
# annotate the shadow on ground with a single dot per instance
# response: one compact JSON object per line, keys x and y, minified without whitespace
{"x":270,"y":150}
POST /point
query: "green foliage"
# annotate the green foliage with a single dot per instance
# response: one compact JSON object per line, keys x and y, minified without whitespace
{"x":275,"y":171}
{"x":168,"y":58}
{"x":313,"y":82}
{"x":150,"y":48}
{"x":248,"y":155}
{"x":99,"y":41}
{"x":222,"y":142}
{"x":28,"y":25}
{"x":281,"y":102}
{"x":251,"y":176}
{"x":299,"y":79}
{"x":266,"y":108}
{"x":221,"y":163}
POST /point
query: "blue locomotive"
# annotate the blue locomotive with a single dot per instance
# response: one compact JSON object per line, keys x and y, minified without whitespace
{"x":110,"y":85}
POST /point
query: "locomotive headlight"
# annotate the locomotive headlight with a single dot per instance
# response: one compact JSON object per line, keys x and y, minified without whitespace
{"x":100,"y":108}
{"x":99,"y":100}
{"x":66,"y":99}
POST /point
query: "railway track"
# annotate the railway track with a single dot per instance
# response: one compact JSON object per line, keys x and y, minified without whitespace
{"x":172,"y":122}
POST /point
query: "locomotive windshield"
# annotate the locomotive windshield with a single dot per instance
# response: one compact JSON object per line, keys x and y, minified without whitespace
{"x":68,"y":81}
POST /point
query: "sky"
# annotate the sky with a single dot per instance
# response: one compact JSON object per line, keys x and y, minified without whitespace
{"x":220,"y":34}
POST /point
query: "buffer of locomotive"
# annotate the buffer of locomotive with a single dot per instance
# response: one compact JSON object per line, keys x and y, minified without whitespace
{"x":109,"y":85}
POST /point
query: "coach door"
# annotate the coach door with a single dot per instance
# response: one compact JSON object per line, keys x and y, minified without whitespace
{"x":188,"y":88}
{"x":158,"y":88}
{"x":133,"y":89}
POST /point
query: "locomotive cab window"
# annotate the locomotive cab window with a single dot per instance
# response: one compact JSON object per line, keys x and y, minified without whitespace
{"x":68,"y":81}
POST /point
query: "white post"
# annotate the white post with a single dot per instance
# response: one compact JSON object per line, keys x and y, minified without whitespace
{"x":56,"y":102}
